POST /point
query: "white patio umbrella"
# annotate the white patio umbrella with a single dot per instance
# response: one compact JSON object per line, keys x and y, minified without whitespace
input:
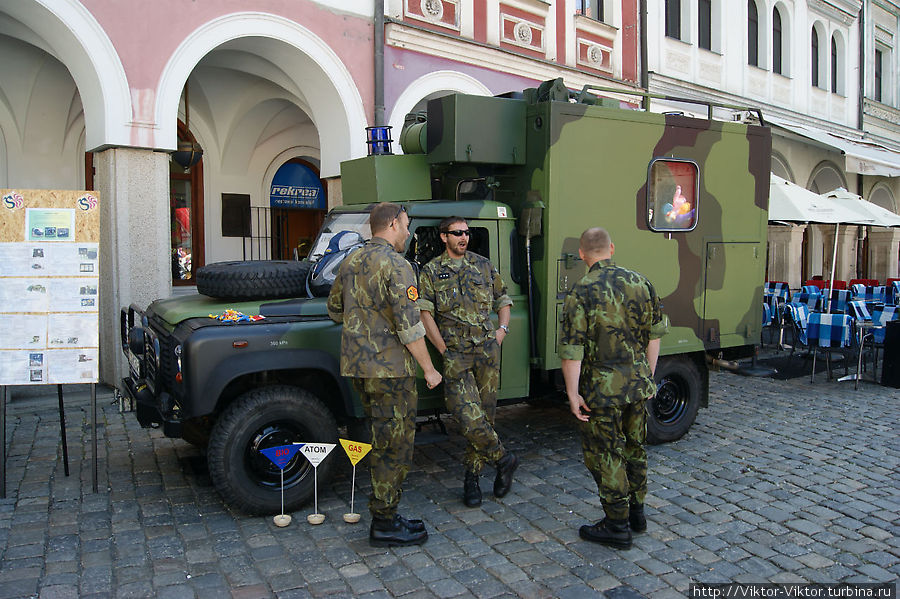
{"x":789,"y":202}
{"x":880,"y":217}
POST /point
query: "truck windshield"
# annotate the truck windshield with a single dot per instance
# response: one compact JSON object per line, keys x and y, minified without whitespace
{"x":357,"y":222}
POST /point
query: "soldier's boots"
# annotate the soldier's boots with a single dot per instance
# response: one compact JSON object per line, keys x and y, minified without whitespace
{"x":505,"y":468}
{"x":413,"y":525}
{"x":636,"y":518}
{"x":471,"y":490}
{"x":614,"y":533}
{"x":396,"y":532}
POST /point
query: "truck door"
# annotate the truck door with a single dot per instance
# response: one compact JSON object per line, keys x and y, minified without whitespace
{"x":425,"y":244}
{"x":730,"y":294}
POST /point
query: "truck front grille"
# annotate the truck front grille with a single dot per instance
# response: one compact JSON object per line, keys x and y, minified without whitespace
{"x":159,"y":360}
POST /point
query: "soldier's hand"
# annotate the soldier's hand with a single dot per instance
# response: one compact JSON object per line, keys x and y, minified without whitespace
{"x":578,"y":407}
{"x":433,"y":378}
{"x":501,"y":335}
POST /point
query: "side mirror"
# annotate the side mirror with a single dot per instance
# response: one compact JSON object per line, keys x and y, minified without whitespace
{"x":532,"y":215}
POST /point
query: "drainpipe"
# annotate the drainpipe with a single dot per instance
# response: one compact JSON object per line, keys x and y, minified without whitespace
{"x":860,"y":107}
{"x":862,"y":67}
{"x":379,"y":63}
{"x":642,"y":23}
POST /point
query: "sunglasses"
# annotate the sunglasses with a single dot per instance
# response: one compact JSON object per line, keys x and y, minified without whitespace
{"x":459,"y":233}
{"x":399,"y":212}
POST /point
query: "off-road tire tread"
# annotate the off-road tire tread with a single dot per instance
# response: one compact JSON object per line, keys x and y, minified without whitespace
{"x":240,"y":411}
{"x":253,"y":279}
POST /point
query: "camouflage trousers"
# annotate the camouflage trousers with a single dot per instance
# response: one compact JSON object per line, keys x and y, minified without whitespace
{"x":390,"y":405}
{"x":613,"y":444}
{"x":471,"y":379}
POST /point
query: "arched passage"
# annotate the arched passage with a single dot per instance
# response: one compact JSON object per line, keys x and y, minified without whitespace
{"x":429,"y":86}
{"x":67,"y":31}
{"x":295,"y":60}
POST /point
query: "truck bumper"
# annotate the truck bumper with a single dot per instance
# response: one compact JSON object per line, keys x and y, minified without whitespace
{"x":151,"y":410}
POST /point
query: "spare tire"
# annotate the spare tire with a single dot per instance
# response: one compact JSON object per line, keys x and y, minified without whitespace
{"x":253,"y":279}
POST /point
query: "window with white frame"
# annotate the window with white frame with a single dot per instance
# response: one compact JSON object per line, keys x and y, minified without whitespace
{"x":814,"y":57}
{"x":594,"y":9}
{"x":837,"y":63}
{"x":704,"y":24}
{"x":752,"y":34}
{"x":673,"y":19}
{"x":879,"y":75}
{"x":777,"y":41}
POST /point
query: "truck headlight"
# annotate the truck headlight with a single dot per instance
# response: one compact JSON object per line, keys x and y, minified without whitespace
{"x":178,"y":357}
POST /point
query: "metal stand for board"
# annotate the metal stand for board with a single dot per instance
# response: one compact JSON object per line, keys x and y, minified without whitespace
{"x":4,"y":399}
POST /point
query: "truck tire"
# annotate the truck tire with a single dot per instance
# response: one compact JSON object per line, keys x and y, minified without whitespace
{"x":253,"y":279}
{"x":263,"y":418}
{"x":671,"y":412}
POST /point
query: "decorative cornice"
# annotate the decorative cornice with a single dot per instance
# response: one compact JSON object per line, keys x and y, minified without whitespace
{"x":843,"y":11}
{"x":881,"y":111}
{"x":409,"y":37}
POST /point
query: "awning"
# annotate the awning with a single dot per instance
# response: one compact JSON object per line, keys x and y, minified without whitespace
{"x":864,"y":157}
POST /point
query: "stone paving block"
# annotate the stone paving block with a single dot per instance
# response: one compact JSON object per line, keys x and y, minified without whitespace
{"x":446,"y":587}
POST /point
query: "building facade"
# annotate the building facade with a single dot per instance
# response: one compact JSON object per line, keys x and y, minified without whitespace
{"x":215,"y":130}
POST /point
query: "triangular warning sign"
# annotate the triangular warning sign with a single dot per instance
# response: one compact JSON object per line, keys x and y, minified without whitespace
{"x":316,"y":452}
{"x":356,"y":450}
{"x":282,"y":454}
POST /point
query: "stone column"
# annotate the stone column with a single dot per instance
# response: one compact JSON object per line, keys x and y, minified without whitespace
{"x":785,"y":252}
{"x":846,"y":252}
{"x":884,"y":245}
{"x":135,"y":242}
{"x":335,"y":192}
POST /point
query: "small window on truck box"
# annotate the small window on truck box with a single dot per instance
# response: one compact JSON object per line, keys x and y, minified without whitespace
{"x":673,"y":188}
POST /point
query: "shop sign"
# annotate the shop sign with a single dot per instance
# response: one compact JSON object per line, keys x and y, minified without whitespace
{"x":296,"y":186}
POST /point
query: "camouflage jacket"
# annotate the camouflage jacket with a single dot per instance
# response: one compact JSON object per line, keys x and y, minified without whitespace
{"x":609,"y":317}
{"x":461,"y":296}
{"x":375,"y":295}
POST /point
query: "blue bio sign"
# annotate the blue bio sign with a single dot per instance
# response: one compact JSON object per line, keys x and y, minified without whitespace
{"x":296,"y":186}
{"x":281,"y":455}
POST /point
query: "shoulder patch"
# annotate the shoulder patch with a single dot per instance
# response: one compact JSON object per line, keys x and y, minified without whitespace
{"x":412,"y":293}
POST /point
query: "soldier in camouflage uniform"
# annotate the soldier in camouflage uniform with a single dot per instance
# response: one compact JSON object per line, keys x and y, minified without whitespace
{"x":611,"y":330}
{"x":375,"y":295}
{"x":459,"y":290}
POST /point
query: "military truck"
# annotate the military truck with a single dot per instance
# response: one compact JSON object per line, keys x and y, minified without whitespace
{"x":685,"y":200}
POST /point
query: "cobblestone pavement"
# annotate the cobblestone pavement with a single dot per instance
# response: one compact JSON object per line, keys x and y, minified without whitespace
{"x":777,"y":481}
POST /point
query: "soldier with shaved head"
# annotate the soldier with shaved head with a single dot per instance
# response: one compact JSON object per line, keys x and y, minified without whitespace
{"x":611,"y":330}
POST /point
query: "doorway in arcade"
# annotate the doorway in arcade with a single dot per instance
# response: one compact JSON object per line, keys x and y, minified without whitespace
{"x":297,"y":201}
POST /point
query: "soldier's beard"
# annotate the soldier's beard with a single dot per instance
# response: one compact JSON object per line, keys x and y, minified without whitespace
{"x":457,"y":252}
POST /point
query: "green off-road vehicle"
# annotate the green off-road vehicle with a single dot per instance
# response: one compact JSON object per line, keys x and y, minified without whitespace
{"x":685,"y":200}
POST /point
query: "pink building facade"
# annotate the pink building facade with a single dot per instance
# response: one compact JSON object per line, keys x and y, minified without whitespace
{"x":98,"y":94}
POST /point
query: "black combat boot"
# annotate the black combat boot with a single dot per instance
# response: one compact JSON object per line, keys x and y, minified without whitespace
{"x":412,"y":525}
{"x":505,"y":468}
{"x":471,"y":490}
{"x":614,"y":533}
{"x":636,"y":518}
{"x":394,"y":532}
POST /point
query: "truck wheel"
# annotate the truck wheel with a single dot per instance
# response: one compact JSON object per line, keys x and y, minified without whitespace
{"x":253,"y":279}
{"x":673,"y":410}
{"x":259,"y":419}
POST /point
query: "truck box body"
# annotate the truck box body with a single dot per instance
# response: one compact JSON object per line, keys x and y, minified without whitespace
{"x":591,"y":166}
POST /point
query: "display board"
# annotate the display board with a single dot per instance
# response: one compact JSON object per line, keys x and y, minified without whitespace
{"x":49,"y":286}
